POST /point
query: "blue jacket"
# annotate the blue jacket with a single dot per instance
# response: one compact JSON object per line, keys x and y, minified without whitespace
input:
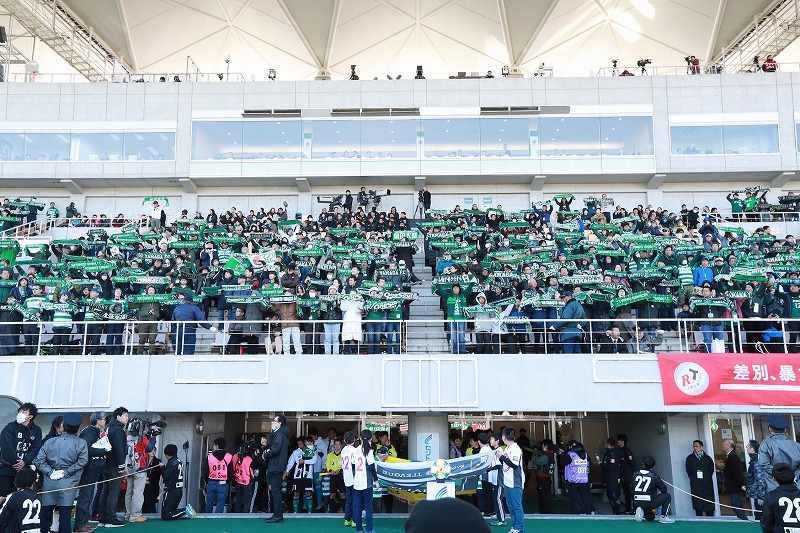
{"x":188,"y":312}
{"x":701,"y":275}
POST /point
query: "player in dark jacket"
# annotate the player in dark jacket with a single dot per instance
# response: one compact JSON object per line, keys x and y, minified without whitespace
{"x":277,"y":456}
{"x":626,"y":468}
{"x":781,"y":505}
{"x":173,"y":487}
{"x":115,"y":469}
{"x":22,"y":509}
{"x":649,"y":493}
{"x":610,"y":473}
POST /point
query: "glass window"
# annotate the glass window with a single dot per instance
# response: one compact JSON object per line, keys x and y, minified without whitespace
{"x":751,"y":139}
{"x":97,"y":146}
{"x":333,"y":139}
{"x":12,"y":146}
{"x":626,"y":135}
{"x":797,"y":136}
{"x":216,"y":140}
{"x":389,"y":138}
{"x":47,"y":146}
{"x":152,"y":146}
{"x":452,"y":137}
{"x":272,"y":139}
{"x":509,"y":137}
{"x":570,"y":136}
{"x":694,"y":140}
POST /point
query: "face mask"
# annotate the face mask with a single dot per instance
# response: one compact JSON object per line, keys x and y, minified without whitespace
{"x":21,"y":418}
{"x":275,"y":426}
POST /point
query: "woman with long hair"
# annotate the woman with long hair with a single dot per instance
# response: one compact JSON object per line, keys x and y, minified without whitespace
{"x":364,"y":475}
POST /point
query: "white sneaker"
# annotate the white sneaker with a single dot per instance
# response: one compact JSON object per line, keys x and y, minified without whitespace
{"x":639,"y":514}
{"x":666,"y":520}
{"x":190,"y":512}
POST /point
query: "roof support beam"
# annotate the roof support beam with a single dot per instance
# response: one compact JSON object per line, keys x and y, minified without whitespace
{"x":300,"y":34}
{"x":656,"y":181}
{"x":781,"y":179}
{"x":522,"y":53}
{"x":501,"y":5}
{"x":712,"y":41}
{"x":188,"y":185}
{"x":123,"y":17}
{"x":332,"y":34}
{"x":72,"y":186}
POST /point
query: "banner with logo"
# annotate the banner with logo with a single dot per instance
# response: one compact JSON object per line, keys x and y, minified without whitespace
{"x":427,"y":446}
{"x":414,"y":476}
{"x":730,"y":379}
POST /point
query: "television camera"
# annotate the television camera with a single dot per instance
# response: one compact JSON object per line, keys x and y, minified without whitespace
{"x":644,"y":62}
{"x":373,"y":197}
{"x":333,"y":201}
{"x":143,"y":427}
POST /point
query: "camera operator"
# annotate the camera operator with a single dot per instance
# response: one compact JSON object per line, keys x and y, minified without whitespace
{"x":425,"y":198}
{"x":769,"y":64}
{"x":362,"y":198}
{"x":347,"y":203}
{"x":694,"y":64}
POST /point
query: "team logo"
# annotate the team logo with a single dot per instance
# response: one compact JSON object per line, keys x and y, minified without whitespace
{"x":441,"y":494}
{"x":691,"y":378}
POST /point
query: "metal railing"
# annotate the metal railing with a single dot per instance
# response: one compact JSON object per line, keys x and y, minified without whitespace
{"x":691,"y":70}
{"x":42,"y":224}
{"x":396,"y":337}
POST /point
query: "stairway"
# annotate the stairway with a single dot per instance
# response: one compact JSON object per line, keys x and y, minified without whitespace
{"x":425,"y":332}
{"x":65,"y":34}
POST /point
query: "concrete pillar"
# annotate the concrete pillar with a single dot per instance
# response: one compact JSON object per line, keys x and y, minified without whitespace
{"x":428,"y":436}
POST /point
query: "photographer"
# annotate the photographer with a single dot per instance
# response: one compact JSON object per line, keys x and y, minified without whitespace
{"x":694,"y":64}
{"x":425,"y":198}
{"x":769,"y":64}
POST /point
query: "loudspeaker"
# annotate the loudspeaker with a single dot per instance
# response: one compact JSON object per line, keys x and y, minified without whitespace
{"x":3,"y":38}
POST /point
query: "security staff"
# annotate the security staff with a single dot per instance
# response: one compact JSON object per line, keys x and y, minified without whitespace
{"x":777,"y":448}
{"x":189,"y":316}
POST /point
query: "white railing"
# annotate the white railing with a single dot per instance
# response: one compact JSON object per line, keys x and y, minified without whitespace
{"x":690,"y":70}
{"x":410,"y":337}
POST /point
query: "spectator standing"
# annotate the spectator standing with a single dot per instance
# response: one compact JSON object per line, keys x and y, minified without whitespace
{"x":769,"y":64}
{"x":571,"y":324}
{"x":188,"y":316}
{"x":700,"y":469}
{"x":627,"y":466}
{"x":60,"y":461}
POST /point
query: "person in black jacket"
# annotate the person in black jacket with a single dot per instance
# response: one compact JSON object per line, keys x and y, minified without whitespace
{"x":277,"y":456}
{"x":114,"y":469}
{"x":91,"y":472}
{"x":735,"y":483}
{"x":20,"y":442}
{"x":700,"y":469}
{"x":627,"y":465}
{"x":779,"y":504}
{"x":610,"y":473}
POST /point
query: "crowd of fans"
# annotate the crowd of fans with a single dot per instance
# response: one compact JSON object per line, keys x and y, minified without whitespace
{"x":551,"y":279}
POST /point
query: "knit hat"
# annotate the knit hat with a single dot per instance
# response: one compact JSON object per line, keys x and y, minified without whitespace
{"x":448,"y":515}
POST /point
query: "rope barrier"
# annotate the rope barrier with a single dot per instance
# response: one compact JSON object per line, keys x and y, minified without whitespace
{"x":705,"y":500}
{"x":100,"y":481}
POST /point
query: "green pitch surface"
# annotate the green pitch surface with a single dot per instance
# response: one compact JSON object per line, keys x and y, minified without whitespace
{"x":312,"y":524}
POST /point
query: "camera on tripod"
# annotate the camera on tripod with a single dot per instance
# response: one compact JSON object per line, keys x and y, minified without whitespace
{"x":333,"y":201}
{"x":143,"y":427}
{"x":373,"y":197}
{"x":644,"y":62}
{"x":688,"y":60}
{"x":614,"y":62}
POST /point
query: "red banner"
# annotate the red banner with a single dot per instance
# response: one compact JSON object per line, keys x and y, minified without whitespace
{"x":730,"y":379}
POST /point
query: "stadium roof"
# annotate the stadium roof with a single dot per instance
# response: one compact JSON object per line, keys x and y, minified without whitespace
{"x":389,"y":37}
